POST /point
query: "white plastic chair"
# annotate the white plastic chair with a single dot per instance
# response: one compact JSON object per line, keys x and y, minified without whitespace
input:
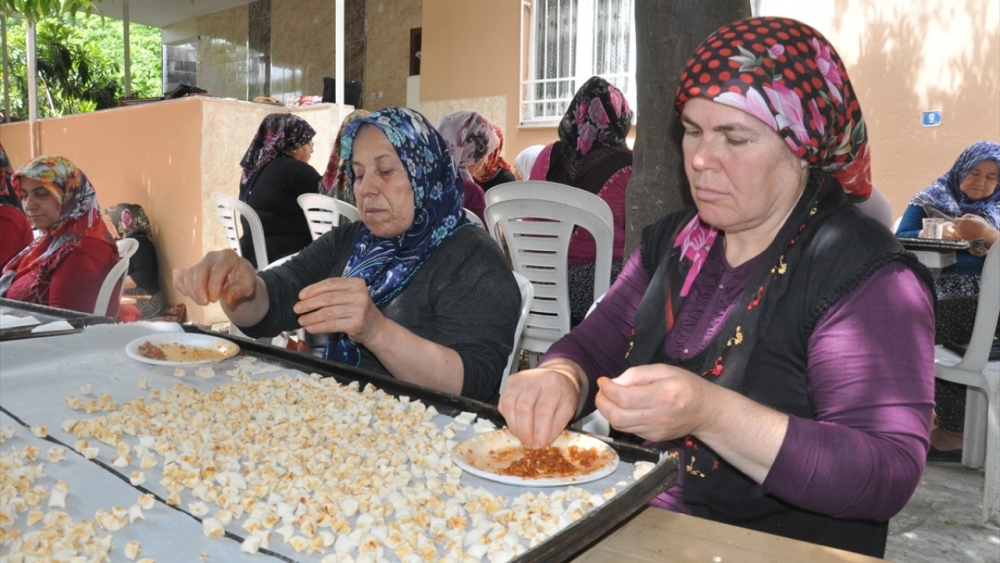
{"x":116,"y":277}
{"x":981,"y":437}
{"x":473,"y":217}
{"x":536,"y":220}
{"x":230,"y":209}
{"x":324,"y":212}
{"x":527,"y":295}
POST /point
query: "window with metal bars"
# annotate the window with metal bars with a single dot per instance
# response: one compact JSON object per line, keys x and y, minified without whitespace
{"x":568,"y":42}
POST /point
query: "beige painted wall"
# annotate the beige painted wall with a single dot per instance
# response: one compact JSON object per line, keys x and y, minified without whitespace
{"x":470,"y":61}
{"x":387,"y":50}
{"x":168,"y":157}
{"x":903,"y":57}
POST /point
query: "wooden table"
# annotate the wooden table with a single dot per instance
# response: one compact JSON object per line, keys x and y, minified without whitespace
{"x":655,"y":535}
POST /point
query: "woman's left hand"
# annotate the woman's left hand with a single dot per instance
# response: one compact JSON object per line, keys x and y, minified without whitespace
{"x":339,"y":305}
{"x":657,"y":402}
{"x":971,"y":227}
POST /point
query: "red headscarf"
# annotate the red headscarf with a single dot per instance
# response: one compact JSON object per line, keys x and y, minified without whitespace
{"x":787,"y":75}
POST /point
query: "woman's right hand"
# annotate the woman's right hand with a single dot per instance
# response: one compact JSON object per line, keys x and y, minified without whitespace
{"x":221,"y":274}
{"x":538,"y":403}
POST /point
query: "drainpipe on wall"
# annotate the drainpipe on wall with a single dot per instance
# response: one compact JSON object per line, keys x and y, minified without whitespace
{"x":32,"y":87}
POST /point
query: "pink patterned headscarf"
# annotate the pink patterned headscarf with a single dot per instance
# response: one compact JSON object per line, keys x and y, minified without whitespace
{"x":470,"y":138}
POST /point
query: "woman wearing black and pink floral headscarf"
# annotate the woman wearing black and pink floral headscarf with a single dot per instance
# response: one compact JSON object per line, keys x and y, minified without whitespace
{"x":276,"y":172}
{"x":775,"y":337}
{"x":591,"y":154}
{"x":143,"y":281}
{"x":65,"y":266}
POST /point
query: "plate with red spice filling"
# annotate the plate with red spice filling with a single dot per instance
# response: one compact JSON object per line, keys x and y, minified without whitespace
{"x":180,"y":349}
{"x":499,"y":456}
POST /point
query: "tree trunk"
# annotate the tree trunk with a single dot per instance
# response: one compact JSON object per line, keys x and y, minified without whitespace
{"x":667,"y":33}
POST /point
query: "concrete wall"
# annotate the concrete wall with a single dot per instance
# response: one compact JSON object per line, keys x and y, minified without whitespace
{"x":168,"y":157}
{"x":387,"y":40}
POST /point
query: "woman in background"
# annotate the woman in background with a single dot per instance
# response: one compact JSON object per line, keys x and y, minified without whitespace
{"x":334,"y":182}
{"x":493,"y":170}
{"x":15,"y":230}
{"x":143,"y":281}
{"x":470,"y":138}
{"x":276,"y":172}
{"x":591,"y":154}
{"x":66,"y":266}
{"x":967,"y":194}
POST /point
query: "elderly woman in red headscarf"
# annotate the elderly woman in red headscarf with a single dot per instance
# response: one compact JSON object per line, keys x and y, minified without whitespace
{"x":66,"y":266}
{"x":591,"y":154}
{"x":276,"y":171}
{"x":774,"y":336}
{"x":15,"y":230}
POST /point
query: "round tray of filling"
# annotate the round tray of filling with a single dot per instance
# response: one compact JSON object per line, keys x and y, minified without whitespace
{"x":180,"y":349}
{"x":499,"y":456}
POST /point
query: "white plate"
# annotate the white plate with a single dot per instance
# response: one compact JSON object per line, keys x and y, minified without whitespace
{"x":220,"y":348}
{"x":473,"y":455}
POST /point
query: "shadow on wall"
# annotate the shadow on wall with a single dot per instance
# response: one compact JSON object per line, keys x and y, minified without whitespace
{"x":892,"y":77}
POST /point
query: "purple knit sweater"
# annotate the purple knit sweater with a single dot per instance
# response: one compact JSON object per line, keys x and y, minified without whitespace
{"x":863,"y":455}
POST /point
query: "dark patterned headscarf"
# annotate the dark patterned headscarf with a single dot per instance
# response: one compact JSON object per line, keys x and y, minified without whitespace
{"x":591,"y":147}
{"x":470,"y":138}
{"x":129,"y":220}
{"x":945,"y":194}
{"x":787,"y":75}
{"x":7,"y":195}
{"x":494,"y":161}
{"x":79,"y":217}
{"x":279,"y":133}
{"x":388,"y":265}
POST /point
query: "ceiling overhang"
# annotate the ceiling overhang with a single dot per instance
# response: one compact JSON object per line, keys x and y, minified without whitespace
{"x":163,"y":13}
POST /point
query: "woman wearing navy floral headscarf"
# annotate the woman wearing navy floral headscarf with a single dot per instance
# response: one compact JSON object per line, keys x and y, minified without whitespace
{"x":276,"y":171}
{"x":773,"y":336}
{"x":591,"y":154}
{"x":409,"y":290}
{"x":968,"y":194}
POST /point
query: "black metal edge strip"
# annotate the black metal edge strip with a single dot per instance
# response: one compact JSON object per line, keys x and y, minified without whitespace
{"x":591,"y":528}
{"x":140,"y":488}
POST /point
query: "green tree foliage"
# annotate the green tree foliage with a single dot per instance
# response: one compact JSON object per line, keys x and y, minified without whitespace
{"x":35,"y":10}
{"x":80,"y":60}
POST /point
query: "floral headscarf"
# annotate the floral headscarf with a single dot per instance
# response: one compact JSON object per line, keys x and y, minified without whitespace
{"x":7,"y":195}
{"x":598,"y":116}
{"x":787,"y":75}
{"x":278,"y":133}
{"x":470,"y":138}
{"x":335,"y":178}
{"x":945,"y":194}
{"x":79,"y":217}
{"x":388,"y":265}
{"x":591,"y":147}
{"x":129,"y":220}
{"x":494,"y":161}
